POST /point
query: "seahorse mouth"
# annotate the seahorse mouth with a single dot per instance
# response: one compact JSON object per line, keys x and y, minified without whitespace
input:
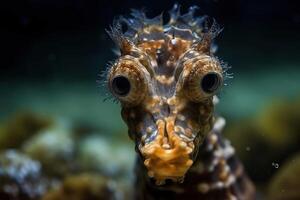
{"x":167,"y":157}
{"x":163,"y":164}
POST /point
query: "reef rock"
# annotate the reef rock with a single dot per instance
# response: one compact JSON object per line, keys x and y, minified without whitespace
{"x":21,"y":127}
{"x":53,"y":146}
{"x":84,"y":187}
{"x":20,"y":177}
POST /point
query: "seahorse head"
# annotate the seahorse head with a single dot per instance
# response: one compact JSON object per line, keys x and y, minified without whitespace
{"x":165,"y":79}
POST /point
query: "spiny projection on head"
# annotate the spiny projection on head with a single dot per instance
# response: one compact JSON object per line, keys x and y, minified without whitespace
{"x":165,"y":79}
{"x":162,"y":48}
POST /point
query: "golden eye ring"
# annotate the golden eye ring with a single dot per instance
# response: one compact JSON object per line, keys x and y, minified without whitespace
{"x":127,"y":81}
{"x":202,"y":79}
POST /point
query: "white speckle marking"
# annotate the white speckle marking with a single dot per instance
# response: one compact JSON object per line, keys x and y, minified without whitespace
{"x":219,"y":124}
{"x":181,"y":117}
{"x":174,"y":41}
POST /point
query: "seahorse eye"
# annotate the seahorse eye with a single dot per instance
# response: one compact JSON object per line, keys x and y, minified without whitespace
{"x":121,"y":85}
{"x":127,"y":81}
{"x":200,"y":79}
{"x":211,"y":82}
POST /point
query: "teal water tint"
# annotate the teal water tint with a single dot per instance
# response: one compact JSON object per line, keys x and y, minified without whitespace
{"x":245,"y":95}
{"x":77,"y":101}
{"x":251,"y":91}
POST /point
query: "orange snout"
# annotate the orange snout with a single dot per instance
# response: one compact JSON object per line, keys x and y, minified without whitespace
{"x":167,"y":157}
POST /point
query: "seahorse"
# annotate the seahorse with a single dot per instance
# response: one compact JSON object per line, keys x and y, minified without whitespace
{"x":166,"y":79}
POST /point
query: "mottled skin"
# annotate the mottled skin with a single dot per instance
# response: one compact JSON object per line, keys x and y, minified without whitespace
{"x":165,"y":79}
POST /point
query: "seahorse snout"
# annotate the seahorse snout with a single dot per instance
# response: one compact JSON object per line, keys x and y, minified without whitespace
{"x":167,"y":156}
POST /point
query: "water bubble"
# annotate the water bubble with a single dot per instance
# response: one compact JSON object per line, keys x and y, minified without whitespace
{"x":248,"y":149}
{"x":276,"y":165}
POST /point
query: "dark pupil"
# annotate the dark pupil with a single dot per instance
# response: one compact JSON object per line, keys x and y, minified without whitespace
{"x":210,"y":82}
{"x":121,"y":85}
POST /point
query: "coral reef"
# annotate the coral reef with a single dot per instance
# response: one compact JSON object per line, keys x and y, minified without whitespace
{"x":62,"y":150}
{"x":53,"y":145}
{"x":53,"y":156}
{"x":21,"y":127}
{"x":96,"y":153}
{"x":20,"y":177}
{"x":84,"y":187}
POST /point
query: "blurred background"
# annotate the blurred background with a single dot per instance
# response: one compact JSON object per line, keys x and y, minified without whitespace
{"x":56,"y":128}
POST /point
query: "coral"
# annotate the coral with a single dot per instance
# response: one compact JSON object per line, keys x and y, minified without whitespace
{"x":20,"y":177}
{"x":54,"y":145}
{"x":20,"y":127}
{"x":285,"y":184}
{"x":83,"y":187}
{"x":96,"y":153}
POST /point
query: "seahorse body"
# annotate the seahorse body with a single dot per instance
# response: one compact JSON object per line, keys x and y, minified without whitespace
{"x":165,"y":79}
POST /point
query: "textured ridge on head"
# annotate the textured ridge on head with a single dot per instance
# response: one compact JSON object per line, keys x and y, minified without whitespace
{"x":139,"y":26}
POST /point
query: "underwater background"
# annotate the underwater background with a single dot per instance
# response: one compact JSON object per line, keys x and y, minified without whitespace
{"x":59,"y":139}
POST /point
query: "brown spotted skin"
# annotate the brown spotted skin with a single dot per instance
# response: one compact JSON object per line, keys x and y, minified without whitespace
{"x":166,"y":79}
